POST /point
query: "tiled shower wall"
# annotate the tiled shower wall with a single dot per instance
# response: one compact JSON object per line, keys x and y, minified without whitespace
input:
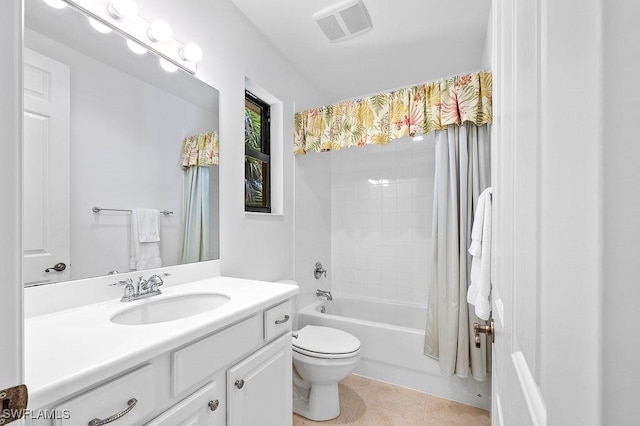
{"x":381,"y":209}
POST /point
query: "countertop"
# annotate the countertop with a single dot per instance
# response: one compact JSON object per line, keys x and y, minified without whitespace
{"x":71,"y":350}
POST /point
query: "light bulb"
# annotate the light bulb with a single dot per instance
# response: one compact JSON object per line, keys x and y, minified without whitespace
{"x":136,"y":48}
{"x":159,"y":30}
{"x":99,"y":26}
{"x":122,"y":8}
{"x":56,"y":4}
{"x":167,"y":66}
{"x":191,"y":52}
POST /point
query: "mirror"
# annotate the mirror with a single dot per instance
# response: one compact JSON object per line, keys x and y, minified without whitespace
{"x":103,"y":127}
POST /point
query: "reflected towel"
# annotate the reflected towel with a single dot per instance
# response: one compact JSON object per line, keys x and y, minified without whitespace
{"x":479,"y":291}
{"x":148,"y":221}
{"x":145,"y":245}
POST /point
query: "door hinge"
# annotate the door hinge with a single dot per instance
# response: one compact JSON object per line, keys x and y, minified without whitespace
{"x":13,"y":403}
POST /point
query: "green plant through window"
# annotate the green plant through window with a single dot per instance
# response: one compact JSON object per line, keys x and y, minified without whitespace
{"x":257,"y":170}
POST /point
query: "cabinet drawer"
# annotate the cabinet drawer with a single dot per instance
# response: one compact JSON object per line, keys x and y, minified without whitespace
{"x":115,"y":397}
{"x":277,"y":320}
{"x":206,"y":406}
{"x":196,"y":363}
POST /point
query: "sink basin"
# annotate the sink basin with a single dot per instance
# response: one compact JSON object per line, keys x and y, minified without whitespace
{"x":170,"y":308}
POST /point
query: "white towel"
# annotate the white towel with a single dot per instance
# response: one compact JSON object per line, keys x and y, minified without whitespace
{"x":479,"y":291}
{"x":145,"y":239}
{"x":148,"y":221}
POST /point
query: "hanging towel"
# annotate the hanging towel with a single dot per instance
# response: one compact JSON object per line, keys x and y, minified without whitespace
{"x":480,"y":289}
{"x":145,"y":239}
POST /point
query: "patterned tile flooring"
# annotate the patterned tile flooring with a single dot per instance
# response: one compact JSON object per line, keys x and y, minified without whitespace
{"x":368,"y":402}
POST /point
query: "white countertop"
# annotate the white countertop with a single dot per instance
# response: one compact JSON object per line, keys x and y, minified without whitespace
{"x":68,"y":351}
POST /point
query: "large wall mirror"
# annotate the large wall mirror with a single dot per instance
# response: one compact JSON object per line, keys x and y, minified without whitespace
{"x":104,"y":127}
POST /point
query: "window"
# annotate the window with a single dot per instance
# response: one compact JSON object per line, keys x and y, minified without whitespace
{"x":257,"y":163}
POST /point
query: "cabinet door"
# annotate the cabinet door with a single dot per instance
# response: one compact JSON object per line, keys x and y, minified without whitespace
{"x":259,"y":387}
{"x":203,"y":407}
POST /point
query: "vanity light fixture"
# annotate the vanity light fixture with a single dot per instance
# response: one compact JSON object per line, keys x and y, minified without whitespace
{"x":167,"y":66}
{"x":56,"y":4}
{"x":191,"y":52}
{"x":159,"y":30}
{"x":145,"y":36}
{"x":119,"y":9}
{"x":136,"y":47}
{"x":99,"y":26}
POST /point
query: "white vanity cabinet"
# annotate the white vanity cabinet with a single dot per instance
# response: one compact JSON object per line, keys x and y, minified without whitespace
{"x":204,"y":407}
{"x":238,"y":375}
{"x":259,"y":387}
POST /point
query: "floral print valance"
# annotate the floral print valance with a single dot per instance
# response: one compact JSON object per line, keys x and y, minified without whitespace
{"x":410,"y":111}
{"x":200,"y":150}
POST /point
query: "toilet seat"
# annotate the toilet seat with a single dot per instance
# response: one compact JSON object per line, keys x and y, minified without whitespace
{"x":325,"y":342}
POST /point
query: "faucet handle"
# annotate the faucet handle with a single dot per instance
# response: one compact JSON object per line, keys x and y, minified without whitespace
{"x":121,"y":283}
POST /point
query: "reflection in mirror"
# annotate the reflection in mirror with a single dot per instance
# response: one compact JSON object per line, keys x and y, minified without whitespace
{"x":104,"y":127}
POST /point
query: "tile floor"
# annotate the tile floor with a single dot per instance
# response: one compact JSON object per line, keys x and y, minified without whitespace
{"x":369,"y":402}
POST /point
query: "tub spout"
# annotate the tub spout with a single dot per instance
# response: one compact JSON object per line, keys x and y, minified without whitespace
{"x":324,"y":293}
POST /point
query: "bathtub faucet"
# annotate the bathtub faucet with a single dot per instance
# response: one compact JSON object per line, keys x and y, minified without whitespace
{"x":324,"y":293}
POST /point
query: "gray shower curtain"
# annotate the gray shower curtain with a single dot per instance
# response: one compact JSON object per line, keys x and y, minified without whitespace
{"x":462,"y":172}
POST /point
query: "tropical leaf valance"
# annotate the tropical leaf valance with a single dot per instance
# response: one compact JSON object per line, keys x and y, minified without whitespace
{"x":200,"y":150}
{"x":410,"y":111}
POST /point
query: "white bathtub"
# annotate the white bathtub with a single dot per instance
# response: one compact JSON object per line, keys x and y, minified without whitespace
{"x":392,"y":337}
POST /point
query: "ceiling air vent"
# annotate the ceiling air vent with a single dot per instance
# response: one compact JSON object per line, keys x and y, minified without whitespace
{"x":344,"y":20}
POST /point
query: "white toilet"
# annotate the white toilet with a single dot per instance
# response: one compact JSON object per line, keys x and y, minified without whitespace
{"x":322,"y":356}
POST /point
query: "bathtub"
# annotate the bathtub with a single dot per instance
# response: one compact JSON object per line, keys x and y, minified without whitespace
{"x":392,"y":337}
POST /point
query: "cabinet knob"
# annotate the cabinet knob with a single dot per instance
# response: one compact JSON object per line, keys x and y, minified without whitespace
{"x":213,"y":405}
{"x":239,"y":383}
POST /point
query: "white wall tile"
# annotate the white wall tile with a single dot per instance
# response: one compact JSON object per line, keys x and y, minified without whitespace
{"x":381,"y":200}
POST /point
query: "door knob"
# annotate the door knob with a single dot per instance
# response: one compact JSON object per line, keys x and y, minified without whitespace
{"x":58,"y":267}
{"x":489,"y":330}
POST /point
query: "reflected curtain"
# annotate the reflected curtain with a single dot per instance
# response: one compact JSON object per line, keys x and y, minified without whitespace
{"x":462,"y":173}
{"x":199,"y":152}
{"x":410,"y":111}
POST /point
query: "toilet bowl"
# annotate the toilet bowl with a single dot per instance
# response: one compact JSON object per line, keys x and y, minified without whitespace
{"x":322,"y":356}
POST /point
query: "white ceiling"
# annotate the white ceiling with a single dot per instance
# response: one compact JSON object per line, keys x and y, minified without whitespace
{"x":412,"y":41}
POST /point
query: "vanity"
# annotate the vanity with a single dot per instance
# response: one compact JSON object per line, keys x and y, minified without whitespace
{"x":220,"y":356}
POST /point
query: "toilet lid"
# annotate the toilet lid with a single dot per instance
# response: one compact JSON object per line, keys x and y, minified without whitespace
{"x":315,"y":340}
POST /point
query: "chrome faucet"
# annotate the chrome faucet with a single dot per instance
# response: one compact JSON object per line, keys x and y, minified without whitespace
{"x":143,"y":289}
{"x":324,"y":293}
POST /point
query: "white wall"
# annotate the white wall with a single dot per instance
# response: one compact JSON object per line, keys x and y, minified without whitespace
{"x":381,"y":208}
{"x":126,"y":138}
{"x":252,"y":246}
{"x":620,"y":212}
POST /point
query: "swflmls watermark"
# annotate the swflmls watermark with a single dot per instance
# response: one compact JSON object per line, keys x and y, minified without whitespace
{"x":36,"y":414}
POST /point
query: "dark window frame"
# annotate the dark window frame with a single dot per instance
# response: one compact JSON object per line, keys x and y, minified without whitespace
{"x":264,"y":155}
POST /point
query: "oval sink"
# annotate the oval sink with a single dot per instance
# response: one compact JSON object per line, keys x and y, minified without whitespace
{"x":170,"y":308}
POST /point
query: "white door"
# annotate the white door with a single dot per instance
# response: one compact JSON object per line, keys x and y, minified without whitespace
{"x":46,"y":234}
{"x":547,"y":255}
{"x":11,"y":365}
{"x":259,"y":387}
{"x":517,"y":399}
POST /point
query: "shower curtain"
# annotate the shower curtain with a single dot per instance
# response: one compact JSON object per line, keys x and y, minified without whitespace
{"x":462,"y":173}
{"x":199,"y":152}
{"x":196,"y":223}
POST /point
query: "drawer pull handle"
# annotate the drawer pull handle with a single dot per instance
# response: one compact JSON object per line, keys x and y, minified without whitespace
{"x":99,"y":422}
{"x":239,"y":383}
{"x":282,"y":321}
{"x":213,"y":405}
